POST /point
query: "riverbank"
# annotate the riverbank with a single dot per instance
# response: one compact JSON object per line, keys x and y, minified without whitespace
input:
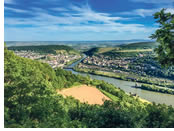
{"x":73,"y":61}
{"x":150,"y":96}
{"x":155,"y":89}
{"x":120,"y":77}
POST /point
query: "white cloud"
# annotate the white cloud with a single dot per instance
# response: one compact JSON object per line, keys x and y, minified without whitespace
{"x":146,"y":12}
{"x":59,"y":9}
{"x":81,"y":19}
{"x":141,"y":12}
{"x":87,"y":14}
{"x":132,"y":28}
{"x":79,"y":16}
{"x":171,"y":10}
{"x":16,"y":10}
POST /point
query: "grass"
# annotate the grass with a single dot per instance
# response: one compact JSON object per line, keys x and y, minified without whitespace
{"x":144,"y":101}
{"x":109,"y":74}
{"x":112,"y":97}
{"x":115,"y":99}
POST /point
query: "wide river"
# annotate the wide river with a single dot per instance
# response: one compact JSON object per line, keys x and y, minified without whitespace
{"x":126,"y":86}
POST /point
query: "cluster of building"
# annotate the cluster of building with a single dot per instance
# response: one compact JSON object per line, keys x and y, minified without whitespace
{"x":29,"y":54}
{"x":58,"y":60}
{"x":118,"y":64}
{"x":102,"y":61}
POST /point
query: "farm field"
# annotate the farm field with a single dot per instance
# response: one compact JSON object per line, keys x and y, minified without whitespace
{"x":84,"y":93}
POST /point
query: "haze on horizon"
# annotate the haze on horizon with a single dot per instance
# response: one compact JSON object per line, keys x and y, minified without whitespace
{"x":81,"y":20}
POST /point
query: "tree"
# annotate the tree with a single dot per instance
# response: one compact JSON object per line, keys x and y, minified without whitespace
{"x":165,"y":36}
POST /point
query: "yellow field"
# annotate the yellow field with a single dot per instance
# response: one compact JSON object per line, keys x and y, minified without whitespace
{"x":61,"y":51}
{"x":85,"y":93}
{"x":102,"y":50}
{"x":139,"y":50}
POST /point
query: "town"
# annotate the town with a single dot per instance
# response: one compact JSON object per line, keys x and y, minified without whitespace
{"x":135,"y":66}
{"x":54,"y":60}
{"x":117,"y":64}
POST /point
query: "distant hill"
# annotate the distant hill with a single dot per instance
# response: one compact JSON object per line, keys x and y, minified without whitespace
{"x":53,"y":49}
{"x":140,"y":45}
{"x":100,"y":50}
{"x":29,"y":43}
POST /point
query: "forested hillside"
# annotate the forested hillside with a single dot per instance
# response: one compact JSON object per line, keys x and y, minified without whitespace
{"x":92,"y":51}
{"x":44,"y":48}
{"x":31,"y":100}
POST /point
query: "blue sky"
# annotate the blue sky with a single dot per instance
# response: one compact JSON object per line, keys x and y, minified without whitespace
{"x":78,"y":20}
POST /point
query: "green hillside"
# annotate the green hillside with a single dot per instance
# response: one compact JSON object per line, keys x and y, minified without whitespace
{"x":92,"y":51}
{"x":30,"y":100}
{"x":140,"y":45}
{"x":53,"y":49}
{"x":134,"y":47}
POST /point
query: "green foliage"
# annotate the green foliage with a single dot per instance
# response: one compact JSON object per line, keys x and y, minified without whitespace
{"x":159,"y":116}
{"x":67,"y":79}
{"x":31,"y":101}
{"x":165,"y":36}
{"x":29,"y":97}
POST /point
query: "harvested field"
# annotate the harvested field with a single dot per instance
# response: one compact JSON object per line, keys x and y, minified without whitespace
{"x":85,"y":93}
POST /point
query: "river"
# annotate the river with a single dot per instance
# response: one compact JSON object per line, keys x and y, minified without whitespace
{"x":126,"y":86}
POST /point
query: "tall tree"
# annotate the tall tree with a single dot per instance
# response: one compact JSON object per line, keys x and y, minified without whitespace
{"x":165,"y":36}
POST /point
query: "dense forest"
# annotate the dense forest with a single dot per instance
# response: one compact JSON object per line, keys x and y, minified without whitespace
{"x":43,"y":48}
{"x":31,"y":100}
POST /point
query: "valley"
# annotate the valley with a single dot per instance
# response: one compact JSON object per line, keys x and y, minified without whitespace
{"x":128,"y":62}
{"x":80,"y":98}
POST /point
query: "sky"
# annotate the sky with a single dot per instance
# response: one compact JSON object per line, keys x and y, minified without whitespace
{"x":81,"y":20}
